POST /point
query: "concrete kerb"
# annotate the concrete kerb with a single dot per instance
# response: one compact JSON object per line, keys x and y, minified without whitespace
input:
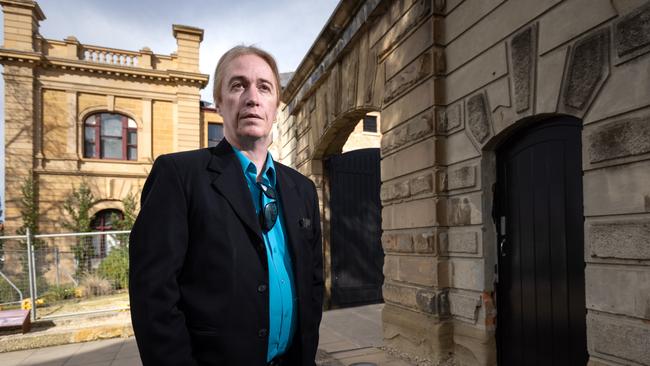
{"x":66,"y":331}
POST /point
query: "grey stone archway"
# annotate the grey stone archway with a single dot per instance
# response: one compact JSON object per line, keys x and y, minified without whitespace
{"x":451,"y":79}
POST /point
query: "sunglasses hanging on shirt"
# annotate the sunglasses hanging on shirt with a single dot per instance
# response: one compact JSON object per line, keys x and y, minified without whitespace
{"x":268,"y":212}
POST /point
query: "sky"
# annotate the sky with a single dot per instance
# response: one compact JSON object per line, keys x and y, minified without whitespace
{"x":285,"y":28}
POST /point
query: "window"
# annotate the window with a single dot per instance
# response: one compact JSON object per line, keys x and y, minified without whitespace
{"x":370,"y":124}
{"x":103,"y":221}
{"x":110,"y":136}
{"x":215,"y":134}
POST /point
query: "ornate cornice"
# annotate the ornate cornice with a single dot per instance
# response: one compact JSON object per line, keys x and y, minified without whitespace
{"x":32,"y":59}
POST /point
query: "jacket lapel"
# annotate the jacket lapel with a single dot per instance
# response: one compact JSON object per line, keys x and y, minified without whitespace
{"x":291,"y":204}
{"x":231,"y":183}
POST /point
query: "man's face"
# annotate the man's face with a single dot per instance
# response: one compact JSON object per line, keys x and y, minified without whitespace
{"x":248,"y":100}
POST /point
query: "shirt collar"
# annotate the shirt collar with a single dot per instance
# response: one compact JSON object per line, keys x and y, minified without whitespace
{"x":250,"y":171}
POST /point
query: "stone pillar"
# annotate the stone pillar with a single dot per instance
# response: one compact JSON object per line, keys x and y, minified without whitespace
{"x":21,"y":19}
{"x":187,"y":129}
{"x":20,"y":30}
{"x":188,"y":40}
{"x":145,"y":132}
{"x":19,"y":139}
{"x":417,"y":272}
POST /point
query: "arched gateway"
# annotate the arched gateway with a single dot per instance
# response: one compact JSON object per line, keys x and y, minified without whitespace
{"x":459,"y":85}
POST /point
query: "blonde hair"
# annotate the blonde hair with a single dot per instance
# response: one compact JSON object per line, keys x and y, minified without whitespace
{"x":232,"y":54}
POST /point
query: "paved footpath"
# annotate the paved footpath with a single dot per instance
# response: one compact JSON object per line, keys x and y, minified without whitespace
{"x":347,"y":336}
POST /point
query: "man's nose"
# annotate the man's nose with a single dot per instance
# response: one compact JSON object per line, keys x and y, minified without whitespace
{"x":252,"y":97}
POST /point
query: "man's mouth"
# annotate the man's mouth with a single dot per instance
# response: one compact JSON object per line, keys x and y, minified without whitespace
{"x":251,"y":115}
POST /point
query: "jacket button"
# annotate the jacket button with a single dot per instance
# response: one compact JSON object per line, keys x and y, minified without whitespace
{"x":262,"y":333}
{"x":261,"y":288}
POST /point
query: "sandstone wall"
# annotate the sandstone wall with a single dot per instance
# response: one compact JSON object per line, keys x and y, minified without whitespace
{"x":451,"y":80}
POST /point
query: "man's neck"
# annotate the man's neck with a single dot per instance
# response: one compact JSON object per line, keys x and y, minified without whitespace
{"x":256,"y":151}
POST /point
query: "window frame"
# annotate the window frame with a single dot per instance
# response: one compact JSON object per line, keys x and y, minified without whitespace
{"x":208,"y":140}
{"x":97,"y":152}
{"x":363,"y":123}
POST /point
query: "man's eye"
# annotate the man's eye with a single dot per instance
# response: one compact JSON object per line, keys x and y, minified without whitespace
{"x":236,"y":86}
{"x":265,"y":87}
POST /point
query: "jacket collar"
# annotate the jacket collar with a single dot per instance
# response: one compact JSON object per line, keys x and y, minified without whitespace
{"x":230,"y":181}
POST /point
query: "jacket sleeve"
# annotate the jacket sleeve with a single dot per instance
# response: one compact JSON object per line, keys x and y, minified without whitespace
{"x":317,"y":276}
{"x":158,"y":244}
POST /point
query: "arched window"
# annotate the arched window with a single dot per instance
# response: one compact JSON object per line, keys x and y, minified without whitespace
{"x":103,"y":221}
{"x":110,"y":136}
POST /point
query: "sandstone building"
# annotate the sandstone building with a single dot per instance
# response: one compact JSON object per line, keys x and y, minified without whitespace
{"x":515,"y":161}
{"x":79,"y":112}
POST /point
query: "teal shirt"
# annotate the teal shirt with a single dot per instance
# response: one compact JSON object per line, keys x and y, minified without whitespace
{"x":282,"y":293}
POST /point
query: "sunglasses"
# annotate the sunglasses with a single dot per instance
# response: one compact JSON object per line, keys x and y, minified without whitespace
{"x":268,"y":212}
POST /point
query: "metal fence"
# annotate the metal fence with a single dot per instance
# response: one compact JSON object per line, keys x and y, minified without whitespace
{"x":64,"y":274}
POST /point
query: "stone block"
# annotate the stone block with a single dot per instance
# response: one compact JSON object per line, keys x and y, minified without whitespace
{"x":464,"y":306}
{"x":458,"y":242}
{"x":480,"y":71}
{"x":463,"y":210}
{"x":409,"y":76}
{"x":523,"y":56}
{"x":427,"y":301}
{"x":587,"y":70}
{"x":465,"y":16}
{"x":493,"y":28}
{"x":418,"y":270}
{"x":416,"y":42}
{"x":397,"y":242}
{"x":622,"y":138}
{"x":349,"y":68}
{"x":408,"y":106}
{"x":626,"y":187}
{"x":627,"y":340}
{"x":458,"y":147}
{"x":425,"y":243}
{"x":412,"y":214}
{"x":401,"y":190}
{"x":474,"y":345}
{"x":461,"y":177}
{"x":618,"y":290}
{"x":561,"y":24}
{"x":632,"y":34}
{"x":421,"y":184}
{"x":449,"y":119}
{"x":391,"y":267}
{"x":621,"y":239}
{"x":400,"y":294}
{"x":619,"y":95}
{"x":467,"y":274}
{"x":550,"y":69}
{"x":410,"y":131}
{"x":411,"y":159}
{"x":416,"y":334}
{"x":478,"y":118}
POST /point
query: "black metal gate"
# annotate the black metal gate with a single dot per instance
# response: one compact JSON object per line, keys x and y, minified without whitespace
{"x":356,"y":252}
{"x":539,"y":216}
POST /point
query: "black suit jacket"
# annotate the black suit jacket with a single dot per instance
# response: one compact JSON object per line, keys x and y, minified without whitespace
{"x":199,"y":276}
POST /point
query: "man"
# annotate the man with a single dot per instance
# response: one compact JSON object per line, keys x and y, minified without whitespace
{"x":226,"y":258}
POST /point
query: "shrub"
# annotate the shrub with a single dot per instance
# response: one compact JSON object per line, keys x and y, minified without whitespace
{"x":115,"y":267}
{"x":58,"y":293}
{"x":95,"y":285}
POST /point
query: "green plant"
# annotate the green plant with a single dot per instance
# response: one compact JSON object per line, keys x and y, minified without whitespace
{"x":126,"y":221}
{"x":95,"y":285}
{"x":77,"y":208}
{"x":58,"y":293}
{"x":29,"y":206}
{"x":115,"y":267}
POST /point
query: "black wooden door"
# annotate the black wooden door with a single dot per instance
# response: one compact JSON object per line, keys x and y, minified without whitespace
{"x":539,"y":216}
{"x":355,"y":211}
